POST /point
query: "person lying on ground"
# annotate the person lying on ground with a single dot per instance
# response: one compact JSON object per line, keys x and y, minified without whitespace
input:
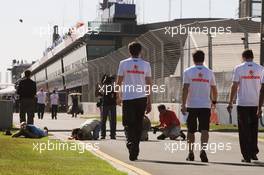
{"x":31,"y":131}
{"x":89,"y":130}
{"x":169,"y":124}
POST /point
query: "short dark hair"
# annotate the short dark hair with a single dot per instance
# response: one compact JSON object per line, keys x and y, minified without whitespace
{"x":75,"y":131}
{"x":248,"y":54}
{"x":161,"y":107}
{"x":134,"y":49}
{"x":27,"y":73}
{"x":198,"y":56}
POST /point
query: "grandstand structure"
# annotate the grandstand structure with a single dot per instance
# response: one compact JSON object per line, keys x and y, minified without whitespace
{"x":79,"y":64}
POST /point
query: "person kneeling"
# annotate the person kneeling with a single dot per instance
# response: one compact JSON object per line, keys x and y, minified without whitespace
{"x":89,"y":130}
{"x":31,"y":131}
{"x":169,"y":124}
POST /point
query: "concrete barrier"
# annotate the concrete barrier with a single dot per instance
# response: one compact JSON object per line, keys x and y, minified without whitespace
{"x":223,"y":115}
{"x":6,"y":115}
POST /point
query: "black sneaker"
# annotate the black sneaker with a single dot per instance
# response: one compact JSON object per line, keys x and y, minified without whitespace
{"x":113,"y":138}
{"x":183,"y":135}
{"x":8,"y":133}
{"x":132,"y":157}
{"x":132,"y":154}
{"x":254,"y":157}
{"x":190,"y":157}
{"x":102,"y":137}
{"x":161,"y":137}
{"x":246,"y":160}
{"x":203,"y":156}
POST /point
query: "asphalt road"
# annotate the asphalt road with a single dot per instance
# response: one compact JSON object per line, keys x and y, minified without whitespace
{"x":168,"y":157}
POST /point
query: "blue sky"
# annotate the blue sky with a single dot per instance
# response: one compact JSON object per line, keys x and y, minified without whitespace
{"x":23,"y":41}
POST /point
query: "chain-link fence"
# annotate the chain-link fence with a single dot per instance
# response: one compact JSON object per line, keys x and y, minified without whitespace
{"x":169,"y":51}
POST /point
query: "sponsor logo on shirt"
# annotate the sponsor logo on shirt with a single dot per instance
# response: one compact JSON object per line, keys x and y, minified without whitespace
{"x":250,"y":76}
{"x":200,"y":79}
{"x":135,"y":70}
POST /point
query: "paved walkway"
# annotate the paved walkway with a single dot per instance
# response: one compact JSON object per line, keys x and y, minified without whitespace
{"x":156,"y":157}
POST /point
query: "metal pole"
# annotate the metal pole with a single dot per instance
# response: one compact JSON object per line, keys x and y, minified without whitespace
{"x":262,"y":35}
{"x":210,"y":8}
{"x":189,"y":50}
{"x":169,"y":10}
{"x":210,"y":52}
{"x":246,"y":46}
{"x":180,"y":9}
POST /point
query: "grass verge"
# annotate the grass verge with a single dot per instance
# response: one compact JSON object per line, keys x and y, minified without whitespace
{"x":18,"y":157}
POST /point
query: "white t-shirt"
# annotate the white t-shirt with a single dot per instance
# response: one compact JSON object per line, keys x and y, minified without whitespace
{"x":89,"y":125}
{"x":248,"y":75}
{"x":41,"y":97}
{"x":134,"y":71}
{"x":54,"y":99}
{"x":200,"y":80}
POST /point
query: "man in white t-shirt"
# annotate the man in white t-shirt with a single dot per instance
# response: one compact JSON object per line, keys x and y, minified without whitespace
{"x":41,"y":97}
{"x":134,"y":78}
{"x":199,"y":94}
{"x":246,"y":85}
{"x":54,"y":102}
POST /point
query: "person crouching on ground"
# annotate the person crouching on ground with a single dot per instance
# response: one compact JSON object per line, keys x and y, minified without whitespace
{"x":169,"y":124}
{"x":89,"y":130}
{"x":146,"y":125}
{"x":31,"y":131}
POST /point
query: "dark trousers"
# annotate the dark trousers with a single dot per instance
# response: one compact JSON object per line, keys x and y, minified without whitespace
{"x":54,"y":109}
{"x":27,"y":106}
{"x":133,"y":114}
{"x":248,"y":131}
{"x":41,"y":110}
{"x":111,"y":112}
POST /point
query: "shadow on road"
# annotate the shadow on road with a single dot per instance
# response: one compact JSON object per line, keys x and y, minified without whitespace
{"x":172,"y":163}
{"x":60,"y":130}
{"x":253,"y":164}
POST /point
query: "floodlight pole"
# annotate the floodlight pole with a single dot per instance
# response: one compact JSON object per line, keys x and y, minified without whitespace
{"x":169,"y":10}
{"x":180,"y":9}
{"x":210,"y":9}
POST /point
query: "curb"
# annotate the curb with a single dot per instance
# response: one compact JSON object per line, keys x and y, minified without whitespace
{"x":116,"y":163}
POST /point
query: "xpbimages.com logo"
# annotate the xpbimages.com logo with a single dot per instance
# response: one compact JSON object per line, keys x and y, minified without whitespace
{"x":147,"y":89}
{"x":64,"y":146}
{"x":210,"y":147}
{"x":185,"y":30}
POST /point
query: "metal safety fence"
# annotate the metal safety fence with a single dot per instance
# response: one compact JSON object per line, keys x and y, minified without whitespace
{"x":169,"y":52}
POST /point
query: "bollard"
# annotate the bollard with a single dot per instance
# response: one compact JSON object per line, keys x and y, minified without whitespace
{"x":6,"y":114}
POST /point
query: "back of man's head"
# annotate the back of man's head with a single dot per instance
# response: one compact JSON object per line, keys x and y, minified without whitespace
{"x":27,"y":73}
{"x":161,"y":108}
{"x":75,"y":132}
{"x":248,"y":54}
{"x":198,"y":56}
{"x":134,"y":49}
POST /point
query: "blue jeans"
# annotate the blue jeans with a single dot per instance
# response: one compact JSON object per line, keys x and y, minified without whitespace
{"x":111,"y":112}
